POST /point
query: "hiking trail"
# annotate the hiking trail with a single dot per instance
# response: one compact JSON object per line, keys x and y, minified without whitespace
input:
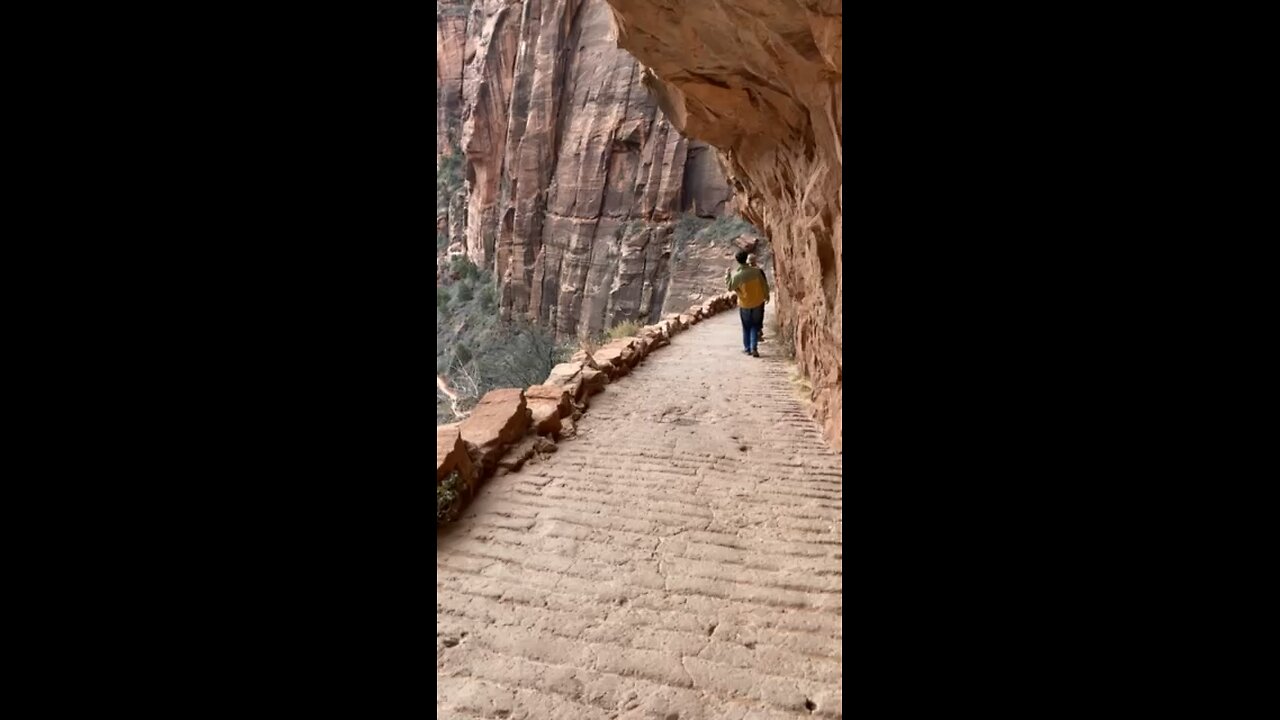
{"x":680,"y":559}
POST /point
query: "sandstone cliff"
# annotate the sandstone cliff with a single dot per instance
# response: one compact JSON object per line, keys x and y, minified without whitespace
{"x":761,"y":80}
{"x":572,"y":179}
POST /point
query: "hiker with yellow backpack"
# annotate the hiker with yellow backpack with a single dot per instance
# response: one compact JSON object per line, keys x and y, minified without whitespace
{"x":752,"y":288}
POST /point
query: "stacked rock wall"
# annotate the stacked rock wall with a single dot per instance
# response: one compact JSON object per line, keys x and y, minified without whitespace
{"x":511,"y":425}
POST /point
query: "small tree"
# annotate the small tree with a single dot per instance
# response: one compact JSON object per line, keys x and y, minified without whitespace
{"x":623,"y":329}
{"x":520,"y":355}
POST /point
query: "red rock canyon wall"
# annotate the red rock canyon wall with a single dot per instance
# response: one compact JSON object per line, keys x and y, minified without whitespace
{"x":573,"y":175}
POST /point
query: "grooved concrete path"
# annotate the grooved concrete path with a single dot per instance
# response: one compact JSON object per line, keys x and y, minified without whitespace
{"x":680,"y":559}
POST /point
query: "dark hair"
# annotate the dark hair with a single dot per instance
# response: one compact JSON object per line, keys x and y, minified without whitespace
{"x":742,"y":257}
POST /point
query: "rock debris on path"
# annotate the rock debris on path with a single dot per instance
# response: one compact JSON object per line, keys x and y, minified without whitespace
{"x":679,"y":560}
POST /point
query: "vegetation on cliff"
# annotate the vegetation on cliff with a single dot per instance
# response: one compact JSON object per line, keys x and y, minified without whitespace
{"x":448,"y":497}
{"x":692,"y":229}
{"x":448,"y":183}
{"x":476,"y":351}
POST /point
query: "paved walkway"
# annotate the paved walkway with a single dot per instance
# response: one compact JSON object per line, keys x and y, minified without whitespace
{"x":679,"y":560}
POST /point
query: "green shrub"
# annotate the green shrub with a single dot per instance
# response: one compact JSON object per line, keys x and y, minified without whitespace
{"x":623,"y":329}
{"x":724,"y":229}
{"x":719,"y":231}
{"x":686,"y":227}
{"x":464,"y":268}
{"x":477,"y":352}
{"x":448,"y":497}
{"x":563,"y":352}
{"x":464,"y":292}
{"x":457,"y":7}
{"x":448,"y":177}
{"x":515,"y":354}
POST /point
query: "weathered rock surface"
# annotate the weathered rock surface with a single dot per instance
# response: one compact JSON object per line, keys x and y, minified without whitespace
{"x":544,"y":418}
{"x":619,"y":356}
{"x":585,"y":358}
{"x":706,"y":191}
{"x":594,"y":380}
{"x":559,"y":397}
{"x":498,"y":420}
{"x":451,"y":454}
{"x":568,"y":427}
{"x":762,"y":80}
{"x":547,"y":405}
{"x":451,"y":36}
{"x":698,"y":271}
{"x":575,"y":179}
{"x":451,"y":39}
{"x":524,"y":450}
{"x":569,"y":377}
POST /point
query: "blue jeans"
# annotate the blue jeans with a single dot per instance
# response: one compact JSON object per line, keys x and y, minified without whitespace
{"x":752,"y":325}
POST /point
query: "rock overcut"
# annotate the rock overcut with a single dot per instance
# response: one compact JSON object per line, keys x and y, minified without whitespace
{"x":762,"y":81}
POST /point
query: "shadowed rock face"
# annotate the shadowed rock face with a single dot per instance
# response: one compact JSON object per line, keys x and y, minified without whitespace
{"x":761,"y":80}
{"x":573,"y":175}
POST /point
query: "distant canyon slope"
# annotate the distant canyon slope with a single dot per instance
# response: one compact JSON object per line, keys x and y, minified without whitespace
{"x":574,"y":181}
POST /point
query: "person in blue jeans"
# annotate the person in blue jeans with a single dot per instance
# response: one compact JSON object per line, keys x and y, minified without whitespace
{"x":751,"y":260}
{"x":753,"y":292}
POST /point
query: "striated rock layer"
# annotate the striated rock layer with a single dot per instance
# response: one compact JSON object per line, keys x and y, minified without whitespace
{"x":761,"y":80}
{"x":573,"y":176}
{"x":451,"y":36}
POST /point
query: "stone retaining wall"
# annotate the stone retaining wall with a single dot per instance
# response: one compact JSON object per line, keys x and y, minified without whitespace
{"x":510,"y":425}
